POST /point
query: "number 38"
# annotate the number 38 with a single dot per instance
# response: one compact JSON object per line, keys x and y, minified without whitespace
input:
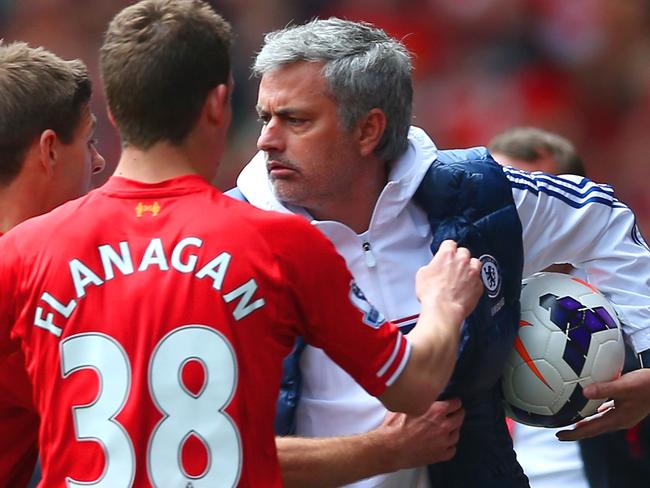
{"x":183,"y":412}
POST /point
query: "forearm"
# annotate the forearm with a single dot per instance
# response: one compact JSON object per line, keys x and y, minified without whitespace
{"x":435,"y":352}
{"x":433,"y":356}
{"x":332,"y":461}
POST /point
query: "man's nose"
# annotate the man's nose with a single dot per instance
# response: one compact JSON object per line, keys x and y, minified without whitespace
{"x":271,"y":137}
{"x":98,"y":162}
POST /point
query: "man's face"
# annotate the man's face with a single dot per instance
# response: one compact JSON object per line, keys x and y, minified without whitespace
{"x":76,"y":162}
{"x":311,"y":159}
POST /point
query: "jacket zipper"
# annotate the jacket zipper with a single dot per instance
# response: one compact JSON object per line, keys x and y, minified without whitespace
{"x":370,"y":257}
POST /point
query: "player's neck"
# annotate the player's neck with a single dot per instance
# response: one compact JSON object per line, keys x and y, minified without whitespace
{"x":17,"y":203}
{"x":163,"y":161}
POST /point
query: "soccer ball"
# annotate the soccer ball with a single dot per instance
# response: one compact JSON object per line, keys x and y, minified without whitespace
{"x":569,"y":336}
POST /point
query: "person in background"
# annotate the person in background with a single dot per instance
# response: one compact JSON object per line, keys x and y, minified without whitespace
{"x":547,"y":462}
{"x":611,"y":460}
{"x":47,"y":155}
{"x":533,"y":149}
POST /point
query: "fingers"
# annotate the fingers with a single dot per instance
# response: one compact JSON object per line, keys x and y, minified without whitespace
{"x":606,"y":406}
{"x":608,"y":419}
{"x":464,"y":254}
{"x":454,"y":437}
{"x":456,"y":417}
{"x":447,"y":454}
{"x":442,"y":409}
{"x":449,"y":286}
{"x":451,"y":405}
{"x":630,"y":402}
{"x":393,"y":417}
{"x":428,"y":438}
{"x":630,"y":385}
{"x":476,"y":265}
{"x":448,"y":246}
{"x":604,"y":389}
{"x":460,"y":257}
{"x":592,"y":426}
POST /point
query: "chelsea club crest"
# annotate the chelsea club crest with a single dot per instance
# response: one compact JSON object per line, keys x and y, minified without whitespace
{"x":490,"y":275}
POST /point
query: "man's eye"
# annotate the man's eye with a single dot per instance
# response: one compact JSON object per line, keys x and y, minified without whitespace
{"x":93,"y":142}
{"x":295,"y":121}
{"x":263,"y":119}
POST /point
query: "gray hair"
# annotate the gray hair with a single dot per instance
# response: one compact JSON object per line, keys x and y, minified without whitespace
{"x":530,"y":144}
{"x":364,"y":69}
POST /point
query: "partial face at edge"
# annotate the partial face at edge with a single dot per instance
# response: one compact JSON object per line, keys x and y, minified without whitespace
{"x":76,"y":162}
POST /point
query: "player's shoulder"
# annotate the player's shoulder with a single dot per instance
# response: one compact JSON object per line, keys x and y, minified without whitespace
{"x":39,"y":230}
{"x":287,"y":233}
{"x":267,"y":220}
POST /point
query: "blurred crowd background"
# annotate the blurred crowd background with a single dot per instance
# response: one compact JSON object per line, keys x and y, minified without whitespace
{"x":580,"y":68}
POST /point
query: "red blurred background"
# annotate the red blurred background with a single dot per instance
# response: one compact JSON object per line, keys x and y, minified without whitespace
{"x":580,"y":68}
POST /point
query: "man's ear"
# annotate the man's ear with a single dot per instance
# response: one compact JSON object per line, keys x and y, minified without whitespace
{"x":216,"y":104}
{"x":48,"y":150}
{"x":371,"y":129}
{"x":111,"y":119}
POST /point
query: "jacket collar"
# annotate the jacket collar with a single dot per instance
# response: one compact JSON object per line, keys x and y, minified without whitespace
{"x":404,"y":178}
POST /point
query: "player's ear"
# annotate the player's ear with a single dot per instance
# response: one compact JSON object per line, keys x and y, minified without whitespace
{"x":217,"y":104}
{"x":371,"y":128}
{"x":48,"y":150}
{"x":110,"y":116}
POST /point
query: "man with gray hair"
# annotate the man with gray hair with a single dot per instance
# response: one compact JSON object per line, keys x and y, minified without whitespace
{"x":336,"y":147}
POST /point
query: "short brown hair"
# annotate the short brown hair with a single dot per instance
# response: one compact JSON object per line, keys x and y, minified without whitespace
{"x":530,"y":144}
{"x":40,"y":91}
{"x":159,"y":60}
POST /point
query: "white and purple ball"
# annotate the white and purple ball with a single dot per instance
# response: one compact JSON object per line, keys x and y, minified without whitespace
{"x":569,"y":337}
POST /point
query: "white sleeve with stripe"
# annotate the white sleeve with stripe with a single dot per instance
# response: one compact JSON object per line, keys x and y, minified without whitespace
{"x":570,"y":219}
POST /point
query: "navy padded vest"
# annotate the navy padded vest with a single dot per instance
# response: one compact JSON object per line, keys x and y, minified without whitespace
{"x":467,"y":198}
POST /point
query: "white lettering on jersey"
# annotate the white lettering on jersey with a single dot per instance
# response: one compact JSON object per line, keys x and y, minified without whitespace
{"x":122,"y":260}
{"x":154,"y":254}
{"x":82,"y":276}
{"x":65,"y":310}
{"x":246,"y":292}
{"x":191,"y":261}
{"x":47,"y":323}
{"x":216,"y":269}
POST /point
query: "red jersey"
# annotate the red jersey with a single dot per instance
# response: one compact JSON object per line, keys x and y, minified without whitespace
{"x":18,"y":419}
{"x":154,"y":319}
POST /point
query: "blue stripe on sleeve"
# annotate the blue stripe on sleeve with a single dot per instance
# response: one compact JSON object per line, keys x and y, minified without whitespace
{"x":573,"y":203}
{"x":577,"y":195}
